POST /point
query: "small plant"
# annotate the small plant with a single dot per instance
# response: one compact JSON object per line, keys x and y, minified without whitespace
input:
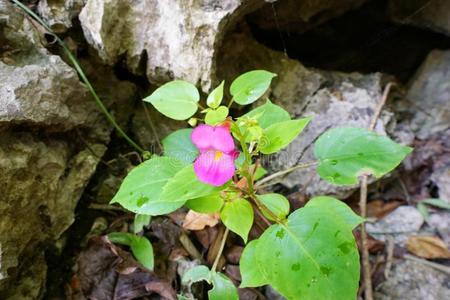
{"x":215,"y":167}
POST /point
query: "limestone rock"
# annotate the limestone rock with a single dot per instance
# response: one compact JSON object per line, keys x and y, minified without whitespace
{"x":174,"y":39}
{"x":41,"y":184}
{"x":434,"y":15}
{"x":37,"y":88}
{"x":401,"y":223}
{"x":412,"y":280}
{"x":59,"y":13}
{"x":429,"y":94}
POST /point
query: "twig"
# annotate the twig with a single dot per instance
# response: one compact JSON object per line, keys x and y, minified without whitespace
{"x":98,"y":206}
{"x":281,"y":173}
{"x":425,"y":262}
{"x":365,"y":249}
{"x":190,"y":247}
{"x":219,"y":254}
{"x":389,"y":255}
{"x":368,"y":289}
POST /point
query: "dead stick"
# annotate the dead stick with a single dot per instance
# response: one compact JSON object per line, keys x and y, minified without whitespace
{"x":368,"y":289}
{"x":219,"y":254}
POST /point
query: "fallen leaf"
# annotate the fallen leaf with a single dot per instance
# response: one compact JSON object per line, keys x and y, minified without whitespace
{"x":108,"y":272}
{"x":378,"y":208}
{"x":373,"y":245}
{"x":198,"y":221}
{"x":430,"y":247}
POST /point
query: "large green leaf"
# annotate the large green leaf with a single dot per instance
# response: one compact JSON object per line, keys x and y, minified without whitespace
{"x":311,"y":257}
{"x":346,"y":153}
{"x":207,"y":204}
{"x":176,"y":99}
{"x":185,"y":185}
{"x":279,"y":135}
{"x":248,"y":87}
{"x":268,"y":114}
{"x":237,"y":215}
{"x":178,"y":144}
{"x":141,"y":189}
{"x":277,"y":204}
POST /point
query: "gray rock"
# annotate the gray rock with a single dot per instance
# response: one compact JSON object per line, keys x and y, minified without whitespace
{"x":37,"y":88}
{"x":434,"y":15}
{"x":41,"y":185}
{"x":414,"y":281}
{"x":59,"y":13}
{"x":441,"y":222}
{"x":52,"y":137}
{"x":429,"y":95}
{"x":176,"y":39}
{"x":332,"y":98}
{"x":401,"y":223}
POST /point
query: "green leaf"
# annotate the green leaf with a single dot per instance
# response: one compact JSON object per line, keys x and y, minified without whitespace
{"x":196,"y":274}
{"x":337,"y":208}
{"x":207,"y":204}
{"x":185,"y":186}
{"x":178,"y":144}
{"x":423,"y":209}
{"x":141,"y":189}
{"x":346,"y":153}
{"x":176,"y":99}
{"x":237,"y":216}
{"x":311,"y":257}
{"x":140,"y":221}
{"x":143,"y":251}
{"x":140,"y":246}
{"x":215,"y":98}
{"x":214,"y":117}
{"x":279,"y":135}
{"x":248,"y":87}
{"x":223,"y":288}
{"x":277,"y":204}
{"x":259,"y":173}
{"x":252,"y":273}
{"x":268,"y":114}
{"x":121,"y":238}
{"x":437,"y":203}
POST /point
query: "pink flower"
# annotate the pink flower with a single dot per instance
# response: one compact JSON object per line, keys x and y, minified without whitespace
{"x":215,"y":164}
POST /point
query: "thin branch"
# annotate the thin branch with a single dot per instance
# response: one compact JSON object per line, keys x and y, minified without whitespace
{"x":219,"y":254}
{"x":368,"y":289}
{"x":284,"y":172}
{"x":425,"y":262}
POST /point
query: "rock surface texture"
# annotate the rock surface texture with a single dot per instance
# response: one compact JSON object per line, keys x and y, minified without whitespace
{"x":45,"y":164}
{"x":434,"y":15}
{"x":174,"y":39}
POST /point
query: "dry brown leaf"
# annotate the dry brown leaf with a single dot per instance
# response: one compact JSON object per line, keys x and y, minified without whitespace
{"x":378,"y":208}
{"x":427,"y":247}
{"x":198,"y":221}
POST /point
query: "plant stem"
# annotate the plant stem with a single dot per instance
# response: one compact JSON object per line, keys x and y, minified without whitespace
{"x":281,"y":173}
{"x":82,"y":76}
{"x":219,"y":254}
{"x":368,"y":289}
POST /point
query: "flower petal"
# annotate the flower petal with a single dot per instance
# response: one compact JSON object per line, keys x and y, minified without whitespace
{"x":206,"y":137}
{"x":214,"y":167}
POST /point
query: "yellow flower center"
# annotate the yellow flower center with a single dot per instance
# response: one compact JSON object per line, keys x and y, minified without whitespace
{"x":218,"y":155}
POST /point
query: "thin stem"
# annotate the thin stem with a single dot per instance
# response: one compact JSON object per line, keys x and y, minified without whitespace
{"x":231,"y":102}
{"x":82,"y":76}
{"x":219,"y":254}
{"x":281,"y":173}
{"x":365,"y":249}
{"x":368,"y":289}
